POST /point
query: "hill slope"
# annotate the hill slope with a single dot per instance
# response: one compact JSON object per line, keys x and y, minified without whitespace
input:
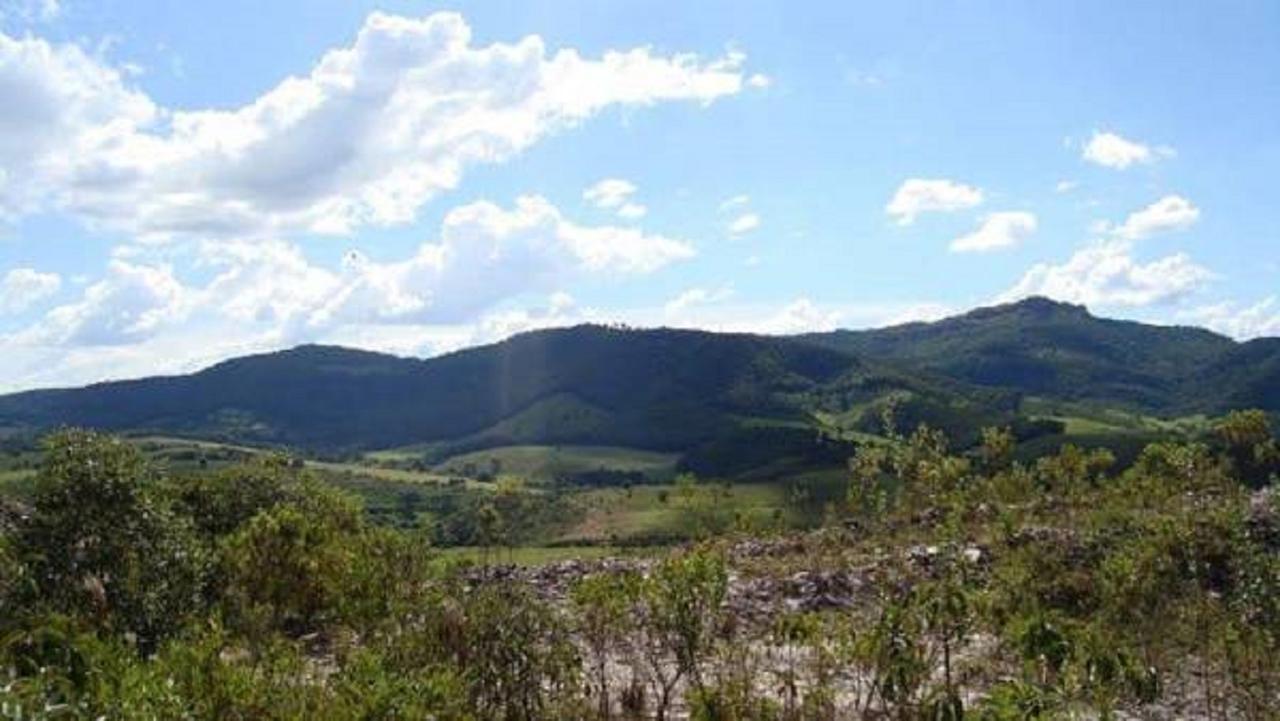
{"x":1060,"y":351}
{"x":674,"y":390}
{"x":660,"y":389}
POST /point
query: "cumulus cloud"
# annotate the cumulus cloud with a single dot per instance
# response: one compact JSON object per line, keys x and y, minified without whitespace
{"x":1106,"y":273}
{"x":1170,"y":213}
{"x":918,"y":195}
{"x":485,"y":254}
{"x":1250,"y":321}
{"x":373,"y":131}
{"x":560,"y":310}
{"x":632,"y":211}
{"x":615,"y":194}
{"x":742,"y":220}
{"x":1112,"y":151}
{"x":609,"y":193}
{"x":21,"y":288}
{"x":998,"y":230}
{"x":61,"y":107}
{"x":131,"y":303}
{"x":799,"y":316}
{"x":743,"y":224}
{"x":694,"y":297}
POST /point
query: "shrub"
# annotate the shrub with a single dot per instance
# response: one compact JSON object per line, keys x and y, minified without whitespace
{"x":103,"y":546}
{"x":290,"y":566}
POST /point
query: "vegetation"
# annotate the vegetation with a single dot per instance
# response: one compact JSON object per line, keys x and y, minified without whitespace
{"x":1059,"y":351}
{"x":975,"y":585}
{"x":718,"y":400}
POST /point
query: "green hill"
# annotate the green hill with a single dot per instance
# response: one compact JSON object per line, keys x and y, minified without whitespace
{"x":1060,"y":351}
{"x":682,"y":390}
{"x":658,"y":389}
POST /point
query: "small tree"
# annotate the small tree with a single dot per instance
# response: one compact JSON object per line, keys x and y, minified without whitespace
{"x":102,"y":545}
{"x":1247,"y":439}
{"x":604,"y":604}
{"x":288,"y":566}
{"x":681,"y":605}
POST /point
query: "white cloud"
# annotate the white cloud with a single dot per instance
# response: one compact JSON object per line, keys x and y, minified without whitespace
{"x":1065,"y":186}
{"x":919,"y":195}
{"x":998,"y":230}
{"x":615,"y":194}
{"x":695,"y":297}
{"x":132,"y":302}
{"x":1112,"y":151}
{"x":1106,"y":273}
{"x":369,"y":135}
{"x":485,"y":254}
{"x":799,"y":316}
{"x":1257,"y":320}
{"x":188,"y":346}
{"x":1172,"y":212}
{"x":743,"y":224}
{"x":560,"y":310}
{"x":20,"y":288}
{"x":61,"y":107}
{"x":609,"y":193}
{"x":759,"y":80}
{"x":632,"y":211}
{"x":737,"y":201}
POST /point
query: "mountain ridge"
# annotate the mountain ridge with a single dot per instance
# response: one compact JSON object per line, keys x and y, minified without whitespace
{"x":1042,"y":347}
{"x":673,"y":389}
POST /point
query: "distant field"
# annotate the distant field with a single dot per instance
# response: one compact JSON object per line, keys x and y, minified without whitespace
{"x":538,"y":555}
{"x":402,"y":454}
{"x":399,"y":475}
{"x":644,"y":515}
{"x":659,"y":513}
{"x":545,"y":463}
{"x":1084,"y":419}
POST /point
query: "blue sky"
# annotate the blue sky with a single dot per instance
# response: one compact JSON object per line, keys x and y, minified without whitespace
{"x":181,"y":183}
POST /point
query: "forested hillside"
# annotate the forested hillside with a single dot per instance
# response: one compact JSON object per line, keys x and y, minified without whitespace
{"x":676,"y":390}
{"x":1061,"y":351}
{"x":660,"y":389}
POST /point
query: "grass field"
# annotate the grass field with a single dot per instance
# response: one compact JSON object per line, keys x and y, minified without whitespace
{"x":540,"y":464}
{"x":382,"y":473}
{"x":1086,"y":420}
{"x":645,"y":515}
{"x":661,"y":513}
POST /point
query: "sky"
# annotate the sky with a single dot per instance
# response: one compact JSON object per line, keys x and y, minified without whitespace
{"x":186,"y":182}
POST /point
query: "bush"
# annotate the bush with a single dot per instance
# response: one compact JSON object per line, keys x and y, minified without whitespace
{"x":102,"y":545}
{"x":289,"y":568}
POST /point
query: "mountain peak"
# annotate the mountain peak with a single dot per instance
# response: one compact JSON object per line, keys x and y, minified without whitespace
{"x":1037,"y":306}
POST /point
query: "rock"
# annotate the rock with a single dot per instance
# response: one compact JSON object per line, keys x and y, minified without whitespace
{"x":12,"y":515}
{"x":1263,"y":520}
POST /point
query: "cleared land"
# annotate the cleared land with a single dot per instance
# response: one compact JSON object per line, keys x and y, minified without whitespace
{"x":540,"y":463}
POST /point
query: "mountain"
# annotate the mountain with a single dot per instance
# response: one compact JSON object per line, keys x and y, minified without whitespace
{"x":682,"y":389}
{"x":661,"y":389}
{"x":1061,"y":352}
